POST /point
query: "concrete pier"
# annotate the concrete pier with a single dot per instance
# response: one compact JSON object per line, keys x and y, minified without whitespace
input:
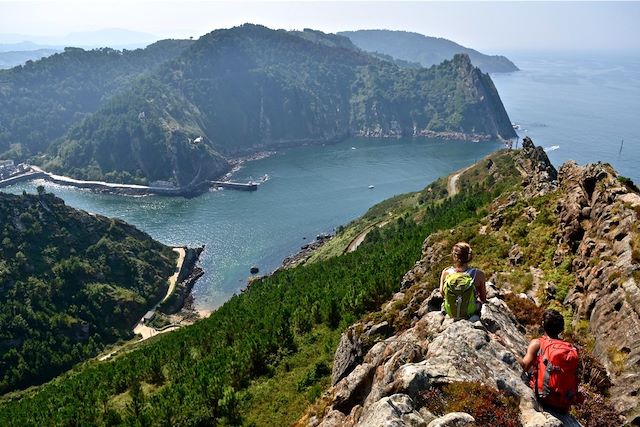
{"x":127,"y":189}
{"x":250,"y":186}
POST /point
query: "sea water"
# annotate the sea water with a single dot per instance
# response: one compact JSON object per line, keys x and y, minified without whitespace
{"x":576,"y":107}
{"x":310,"y":190}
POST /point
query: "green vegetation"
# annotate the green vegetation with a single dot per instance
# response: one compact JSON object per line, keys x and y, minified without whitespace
{"x":70,"y":282}
{"x":628,"y":182}
{"x":135,"y":116}
{"x":280,"y":333}
{"x":41,"y":100}
{"x":488,"y":406}
{"x":427,"y":51}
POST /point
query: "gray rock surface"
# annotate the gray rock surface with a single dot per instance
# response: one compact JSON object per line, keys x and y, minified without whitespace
{"x":454,"y":419}
{"x":598,"y":227}
{"x":397,"y":410}
{"x":437,"y":350}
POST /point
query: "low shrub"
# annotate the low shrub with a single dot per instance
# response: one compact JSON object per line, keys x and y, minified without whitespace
{"x":595,"y":411}
{"x":488,"y":406}
{"x":527,"y":313}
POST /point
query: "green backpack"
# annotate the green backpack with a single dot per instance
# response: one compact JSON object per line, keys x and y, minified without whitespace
{"x":459,"y":295}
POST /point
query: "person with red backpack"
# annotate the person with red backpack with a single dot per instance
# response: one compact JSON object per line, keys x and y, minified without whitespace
{"x":553,"y":363}
{"x":463,"y":288}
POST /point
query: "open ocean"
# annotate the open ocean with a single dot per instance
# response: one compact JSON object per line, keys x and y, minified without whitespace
{"x":577,"y":107}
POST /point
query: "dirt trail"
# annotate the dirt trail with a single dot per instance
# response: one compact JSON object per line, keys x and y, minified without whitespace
{"x":452,"y":182}
{"x":357,"y":241}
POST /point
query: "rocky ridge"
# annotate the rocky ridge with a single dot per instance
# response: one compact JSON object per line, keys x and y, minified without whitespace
{"x":382,"y":367}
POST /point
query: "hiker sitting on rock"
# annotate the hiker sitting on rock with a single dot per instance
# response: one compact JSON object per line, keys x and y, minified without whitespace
{"x":554,"y":366}
{"x":462,"y":288}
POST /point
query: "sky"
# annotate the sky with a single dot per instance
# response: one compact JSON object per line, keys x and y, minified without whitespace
{"x":493,"y":27}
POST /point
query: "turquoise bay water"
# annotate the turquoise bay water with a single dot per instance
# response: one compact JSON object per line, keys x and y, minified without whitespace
{"x":577,"y":107}
{"x":311,"y":190}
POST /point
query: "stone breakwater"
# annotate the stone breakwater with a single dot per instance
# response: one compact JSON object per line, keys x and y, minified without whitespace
{"x":187,"y":277}
{"x":35,"y":172}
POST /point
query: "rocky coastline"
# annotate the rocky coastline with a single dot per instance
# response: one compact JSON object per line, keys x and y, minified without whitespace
{"x":187,"y":277}
{"x":305,"y":252}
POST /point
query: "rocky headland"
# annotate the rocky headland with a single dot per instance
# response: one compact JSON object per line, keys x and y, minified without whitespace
{"x":392,"y":366}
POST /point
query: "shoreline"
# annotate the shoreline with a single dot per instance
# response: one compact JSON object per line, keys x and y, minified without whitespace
{"x":103,"y":187}
{"x":175,"y":309}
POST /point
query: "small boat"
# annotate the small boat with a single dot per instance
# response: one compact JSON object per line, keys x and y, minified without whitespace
{"x":353,"y":148}
{"x":371,"y":187}
{"x":475,"y":140}
{"x":254,"y":270}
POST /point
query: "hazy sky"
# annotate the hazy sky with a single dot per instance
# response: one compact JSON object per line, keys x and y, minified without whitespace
{"x":488,"y":26}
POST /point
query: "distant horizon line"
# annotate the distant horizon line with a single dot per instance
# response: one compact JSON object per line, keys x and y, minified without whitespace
{"x":153,"y":38}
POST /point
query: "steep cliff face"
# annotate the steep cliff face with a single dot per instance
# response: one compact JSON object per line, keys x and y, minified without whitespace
{"x":453,"y":100}
{"x":250,"y":87}
{"x":599,"y":220}
{"x":387,"y":366}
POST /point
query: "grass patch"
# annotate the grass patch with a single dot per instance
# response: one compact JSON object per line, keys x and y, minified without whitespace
{"x":297,"y":382}
{"x":627,"y":182}
{"x":617,"y":358}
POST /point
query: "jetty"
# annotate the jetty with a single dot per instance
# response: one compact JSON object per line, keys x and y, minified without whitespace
{"x":33,"y":172}
{"x":250,"y":186}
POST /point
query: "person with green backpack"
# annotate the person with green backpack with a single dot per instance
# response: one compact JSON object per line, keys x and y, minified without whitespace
{"x":463,"y":288}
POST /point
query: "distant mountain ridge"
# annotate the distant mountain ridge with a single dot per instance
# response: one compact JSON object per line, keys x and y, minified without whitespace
{"x":107,"y":37}
{"x":247,"y":88}
{"x":427,"y":51}
{"x":13,"y":58}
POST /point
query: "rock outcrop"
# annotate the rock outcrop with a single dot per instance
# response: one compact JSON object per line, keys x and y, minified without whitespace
{"x":384,"y":389}
{"x":378,"y":378}
{"x":598,"y":219}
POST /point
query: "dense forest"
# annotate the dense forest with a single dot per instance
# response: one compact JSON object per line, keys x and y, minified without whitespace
{"x":41,"y":99}
{"x":198,"y":375}
{"x":70,"y":282}
{"x":230,"y":92}
{"x":424,"y":50}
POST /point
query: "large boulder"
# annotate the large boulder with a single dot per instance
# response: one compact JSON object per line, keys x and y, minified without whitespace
{"x":437,"y":350}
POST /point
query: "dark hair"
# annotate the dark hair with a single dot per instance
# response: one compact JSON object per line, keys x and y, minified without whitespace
{"x":552,"y":323}
{"x":461,"y":253}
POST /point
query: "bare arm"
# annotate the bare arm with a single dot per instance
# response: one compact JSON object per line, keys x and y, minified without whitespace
{"x":527,"y":361}
{"x":481,"y":288}
{"x":443,"y":275}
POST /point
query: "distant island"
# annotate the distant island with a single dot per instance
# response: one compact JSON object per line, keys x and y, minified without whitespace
{"x":424,"y":50}
{"x":178,"y":111}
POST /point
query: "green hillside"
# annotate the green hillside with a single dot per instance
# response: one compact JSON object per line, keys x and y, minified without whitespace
{"x":177,"y":110}
{"x":70,"y":283}
{"x":424,"y":50}
{"x":284,"y":326}
{"x":41,"y":100}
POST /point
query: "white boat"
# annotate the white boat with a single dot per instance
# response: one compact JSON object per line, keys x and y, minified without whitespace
{"x":371,"y":187}
{"x":353,"y":148}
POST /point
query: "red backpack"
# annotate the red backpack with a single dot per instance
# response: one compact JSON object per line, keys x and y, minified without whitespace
{"x":555,"y":378}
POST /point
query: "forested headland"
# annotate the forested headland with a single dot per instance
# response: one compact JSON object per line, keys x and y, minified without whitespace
{"x":70,"y":283}
{"x":177,"y":110}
